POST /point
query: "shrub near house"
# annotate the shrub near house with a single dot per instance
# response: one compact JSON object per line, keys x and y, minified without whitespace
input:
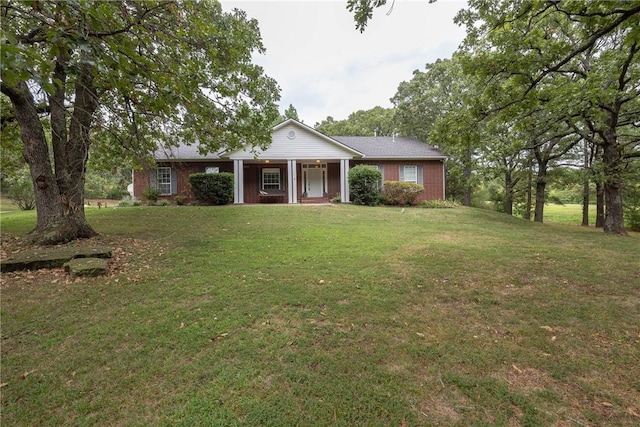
{"x":400,"y":192}
{"x":212,"y":188}
{"x":364,"y":184}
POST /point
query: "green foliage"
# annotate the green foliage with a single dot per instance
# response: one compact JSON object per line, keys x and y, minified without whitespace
{"x":400,"y":192}
{"x":212,"y":188}
{"x":128,"y":202}
{"x":632,"y":207}
{"x":364,"y":185}
{"x":150,"y":194}
{"x":291,"y":113}
{"x":102,"y":184}
{"x":180,"y":199}
{"x":376,"y":121}
{"x":439,"y":204}
{"x":21,"y":190}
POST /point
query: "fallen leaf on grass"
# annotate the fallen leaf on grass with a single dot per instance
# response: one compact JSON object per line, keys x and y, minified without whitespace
{"x":631,"y":411}
{"x":26,"y":374}
{"x":219,"y":337}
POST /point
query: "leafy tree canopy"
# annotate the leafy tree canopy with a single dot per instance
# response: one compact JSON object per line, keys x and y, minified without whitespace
{"x":376,"y":121}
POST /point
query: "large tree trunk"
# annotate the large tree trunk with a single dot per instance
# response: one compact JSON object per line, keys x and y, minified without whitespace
{"x":59,"y":197}
{"x":585,"y":187}
{"x":508,"y":192}
{"x":36,"y":154}
{"x":466,"y":176}
{"x":599,"y":205}
{"x":614,"y":217}
{"x":527,"y":210}
{"x":541,"y":185}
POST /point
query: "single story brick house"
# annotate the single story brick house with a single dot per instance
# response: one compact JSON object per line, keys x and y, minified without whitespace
{"x":301,"y":165}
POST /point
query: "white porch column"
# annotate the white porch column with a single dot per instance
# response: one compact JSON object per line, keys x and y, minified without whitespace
{"x":344,"y":180}
{"x":292,"y":180}
{"x":238,"y":181}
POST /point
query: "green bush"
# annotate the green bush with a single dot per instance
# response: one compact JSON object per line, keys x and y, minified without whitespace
{"x":400,"y":192}
{"x":129,"y":202}
{"x":212,"y":188}
{"x":436,"y":204}
{"x":364,"y":185}
{"x":180,"y":199}
{"x":21,"y":191}
{"x":151,"y":194}
{"x":631,"y":207}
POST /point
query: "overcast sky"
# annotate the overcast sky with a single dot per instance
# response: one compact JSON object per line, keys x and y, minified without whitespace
{"x":325,"y":67}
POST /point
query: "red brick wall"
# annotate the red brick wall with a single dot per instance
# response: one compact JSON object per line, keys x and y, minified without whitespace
{"x":432,"y":174}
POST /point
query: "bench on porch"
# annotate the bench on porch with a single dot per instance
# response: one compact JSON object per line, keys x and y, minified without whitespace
{"x":272,"y":196}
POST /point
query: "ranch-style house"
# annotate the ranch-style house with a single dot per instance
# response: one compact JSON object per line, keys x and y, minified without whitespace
{"x":301,"y":165}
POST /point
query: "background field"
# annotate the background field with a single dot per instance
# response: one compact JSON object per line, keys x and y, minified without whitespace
{"x":327,"y":315}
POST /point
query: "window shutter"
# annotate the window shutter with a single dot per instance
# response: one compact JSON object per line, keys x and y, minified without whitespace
{"x":153,"y":178}
{"x":420,"y":177}
{"x":174,"y":181}
{"x":401,"y":175}
{"x":259,"y":178}
{"x":281,"y":179}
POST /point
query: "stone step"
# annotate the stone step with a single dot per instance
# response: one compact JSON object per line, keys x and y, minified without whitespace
{"x":89,"y":267}
{"x":54,"y":257}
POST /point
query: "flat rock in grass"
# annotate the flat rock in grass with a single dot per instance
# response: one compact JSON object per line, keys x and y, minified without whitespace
{"x":87,"y":267}
{"x":51,"y":257}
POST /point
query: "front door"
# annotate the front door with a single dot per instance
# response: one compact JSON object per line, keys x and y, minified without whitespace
{"x":315,"y":183}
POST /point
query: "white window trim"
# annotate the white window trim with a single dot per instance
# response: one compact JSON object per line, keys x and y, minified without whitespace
{"x":266,"y":171}
{"x":414,"y":173}
{"x":161,"y":183}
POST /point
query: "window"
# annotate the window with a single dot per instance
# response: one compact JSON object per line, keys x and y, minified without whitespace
{"x":381,"y":170}
{"x":163,"y":180}
{"x":212,"y":169}
{"x":410,"y":174}
{"x":271,"y":179}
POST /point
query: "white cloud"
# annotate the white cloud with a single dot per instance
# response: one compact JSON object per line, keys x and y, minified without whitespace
{"x":327,"y":68}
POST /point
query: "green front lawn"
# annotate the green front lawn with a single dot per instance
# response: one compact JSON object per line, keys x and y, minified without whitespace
{"x":327,"y":315}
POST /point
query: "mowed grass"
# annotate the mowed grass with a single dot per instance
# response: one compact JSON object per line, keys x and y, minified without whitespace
{"x":327,"y":315}
{"x":568,"y":214}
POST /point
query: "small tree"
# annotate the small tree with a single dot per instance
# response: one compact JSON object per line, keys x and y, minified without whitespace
{"x":212,"y":188}
{"x":364,"y":185}
{"x":21,"y":191}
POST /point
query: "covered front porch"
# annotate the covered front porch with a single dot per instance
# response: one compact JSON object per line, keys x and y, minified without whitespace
{"x":290,"y":180}
{"x":300,"y":165}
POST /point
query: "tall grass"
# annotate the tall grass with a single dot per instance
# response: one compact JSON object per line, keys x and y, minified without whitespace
{"x":332,"y":315}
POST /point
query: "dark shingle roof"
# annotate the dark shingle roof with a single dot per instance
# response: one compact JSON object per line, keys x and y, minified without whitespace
{"x":184,"y":152}
{"x":387,"y":147}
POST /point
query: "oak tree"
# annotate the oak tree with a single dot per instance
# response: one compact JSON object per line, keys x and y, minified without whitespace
{"x":125,"y":76}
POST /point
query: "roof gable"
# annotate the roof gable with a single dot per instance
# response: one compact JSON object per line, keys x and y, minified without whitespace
{"x":294,"y":140}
